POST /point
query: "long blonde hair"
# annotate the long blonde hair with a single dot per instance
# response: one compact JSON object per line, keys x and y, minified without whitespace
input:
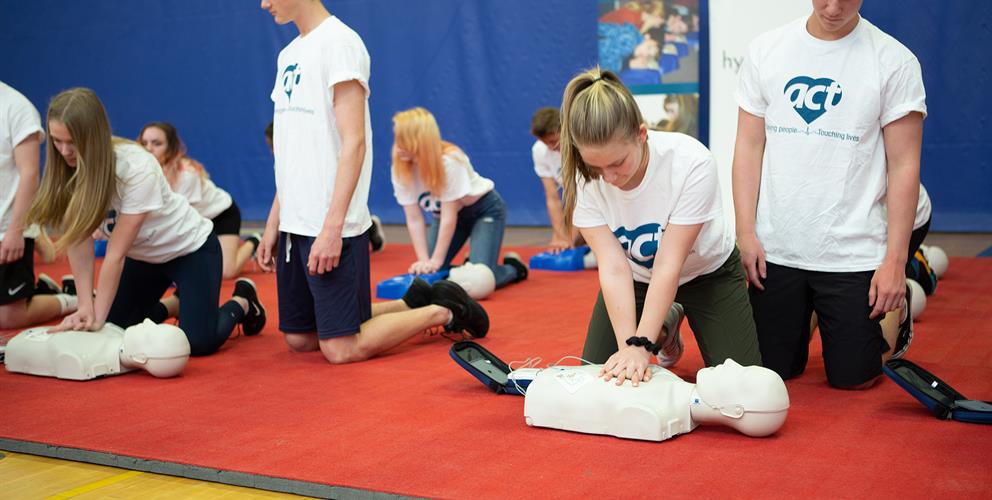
{"x":416,"y":132}
{"x":596,"y":109}
{"x":77,"y":199}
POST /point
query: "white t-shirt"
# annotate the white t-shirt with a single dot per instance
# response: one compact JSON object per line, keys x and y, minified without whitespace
{"x":681,"y":187}
{"x":208,"y":199}
{"x":923,"y":209}
{"x":18,"y":120}
{"x":547,"y":162}
{"x":306,"y":141}
{"x":172,"y":228}
{"x":461,"y":181}
{"x":821,"y":204}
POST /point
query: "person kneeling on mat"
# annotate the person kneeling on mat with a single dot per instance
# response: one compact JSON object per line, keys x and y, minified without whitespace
{"x":320,"y":219}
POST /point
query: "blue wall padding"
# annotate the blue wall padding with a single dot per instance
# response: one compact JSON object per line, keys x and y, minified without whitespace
{"x":482,"y":66}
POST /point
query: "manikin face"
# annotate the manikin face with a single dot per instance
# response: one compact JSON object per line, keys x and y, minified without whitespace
{"x":618,"y":162}
{"x":154,"y":141}
{"x":835,"y":17}
{"x":62,"y":140}
{"x":283,"y":11}
{"x":736,"y":389}
{"x":552,"y":141}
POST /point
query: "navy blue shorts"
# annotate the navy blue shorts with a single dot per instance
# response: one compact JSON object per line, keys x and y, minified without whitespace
{"x":333,"y":304}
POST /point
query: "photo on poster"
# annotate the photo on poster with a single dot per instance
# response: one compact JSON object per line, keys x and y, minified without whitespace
{"x":670,"y":112}
{"x":650,"y":42}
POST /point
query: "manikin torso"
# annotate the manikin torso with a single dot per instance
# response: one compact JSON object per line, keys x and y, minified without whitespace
{"x":160,"y":349}
{"x":68,"y":355}
{"x":572,"y":398}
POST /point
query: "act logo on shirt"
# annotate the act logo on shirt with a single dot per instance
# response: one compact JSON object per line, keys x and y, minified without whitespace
{"x":290,"y":79}
{"x":640,"y":244}
{"x":812,"y":97}
{"x":429,"y":203}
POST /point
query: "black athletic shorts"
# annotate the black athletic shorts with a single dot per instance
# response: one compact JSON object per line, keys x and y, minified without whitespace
{"x":852,"y":343}
{"x":228,"y":221}
{"x":17,"y":278}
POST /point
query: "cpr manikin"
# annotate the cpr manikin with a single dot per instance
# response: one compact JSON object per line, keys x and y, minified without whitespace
{"x":476,"y":279}
{"x":159,"y":349}
{"x":751,"y":399}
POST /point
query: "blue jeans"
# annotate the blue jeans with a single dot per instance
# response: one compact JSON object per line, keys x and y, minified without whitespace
{"x":483,"y":222}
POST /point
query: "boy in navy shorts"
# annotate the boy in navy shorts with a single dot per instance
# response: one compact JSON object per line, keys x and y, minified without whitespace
{"x":317,"y":233}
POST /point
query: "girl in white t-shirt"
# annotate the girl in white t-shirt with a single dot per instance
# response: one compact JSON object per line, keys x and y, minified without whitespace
{"x":187,"y":177}
{"x":155,"y":237}
{"x":438,"y":177}
{"x":648,"y":204}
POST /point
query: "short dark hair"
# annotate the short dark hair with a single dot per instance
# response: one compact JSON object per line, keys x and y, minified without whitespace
{"x":545,"y":121}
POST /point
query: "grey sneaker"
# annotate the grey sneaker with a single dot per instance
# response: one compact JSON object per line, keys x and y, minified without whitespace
{"x":671,"y":345}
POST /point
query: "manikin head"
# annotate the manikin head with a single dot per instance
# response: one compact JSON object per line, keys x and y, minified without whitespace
{"x":477,"y":279}
{"x":751,"y":399}
{"x":161,"y":350}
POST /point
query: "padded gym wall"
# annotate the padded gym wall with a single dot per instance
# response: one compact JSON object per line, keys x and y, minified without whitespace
{"x":481,"y":66}
{"x":951,"y":40}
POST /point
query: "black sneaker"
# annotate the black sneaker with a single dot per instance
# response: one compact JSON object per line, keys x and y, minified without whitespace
{"x":513,"y":259}
{"x":255,"y":239}
{"x":46,"y":285}
{"x":905,"y":336}
{"x":69,"y":285}
{"x":254,"y":319}
{"x":467,"y":315}
{"x":418,"y":295}
{"x":376,"y":236}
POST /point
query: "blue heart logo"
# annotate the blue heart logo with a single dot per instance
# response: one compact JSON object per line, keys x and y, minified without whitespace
{"x":812,"y":97}
{"x":640,"y":244}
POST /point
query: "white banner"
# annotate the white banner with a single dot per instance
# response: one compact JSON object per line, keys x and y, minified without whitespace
{"x":733,"y":24}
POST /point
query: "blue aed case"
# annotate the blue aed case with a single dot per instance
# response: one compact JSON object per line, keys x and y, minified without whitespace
{"x":566,"y":260}
{"x":941,"y":399}
{"x":395,"y":287}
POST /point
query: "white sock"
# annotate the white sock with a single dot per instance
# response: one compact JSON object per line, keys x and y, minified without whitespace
{"x":68,"y":303}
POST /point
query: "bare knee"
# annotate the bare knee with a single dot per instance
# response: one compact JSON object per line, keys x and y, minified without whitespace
{"x":230,"y":270}
{"x":13,"y":315}
{"x":301,"y":342}
{"x":341,"y":350}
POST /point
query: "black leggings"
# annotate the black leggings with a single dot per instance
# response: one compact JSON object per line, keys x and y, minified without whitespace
{"x":198,"y":275}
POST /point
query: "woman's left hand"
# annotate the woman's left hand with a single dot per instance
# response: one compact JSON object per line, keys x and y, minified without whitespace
{"x":423,"y":267}
{"x":630,"y":362}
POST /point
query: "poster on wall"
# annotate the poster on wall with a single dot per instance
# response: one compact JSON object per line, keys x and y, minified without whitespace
{"x":653,"y":45}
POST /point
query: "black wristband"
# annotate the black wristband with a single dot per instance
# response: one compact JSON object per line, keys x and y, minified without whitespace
{"x":645,"y":343}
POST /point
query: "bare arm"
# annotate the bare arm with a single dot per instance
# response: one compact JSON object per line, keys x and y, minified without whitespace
{"x":418,"y":233}
{"x":349,"y":113}
{"x":668,"y":261}
{"x":26,"y":160}
{"x":615,"y":279}
{"x":446,"y":230}
{"x":125,"y":231}
{"x":92,"y":313}
{"x":746,"y":178}
{"x":903,"y":140}
{"x":265,"y":254}
{"x":561,"y":237}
